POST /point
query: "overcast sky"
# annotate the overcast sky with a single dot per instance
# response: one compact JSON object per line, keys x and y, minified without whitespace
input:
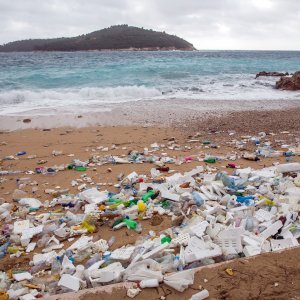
{"x":208,"y":24}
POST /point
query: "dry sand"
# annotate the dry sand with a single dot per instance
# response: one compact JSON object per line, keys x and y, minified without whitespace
{"x":253,"y":280}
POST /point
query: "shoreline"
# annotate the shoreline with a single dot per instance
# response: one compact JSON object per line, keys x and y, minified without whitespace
{"x":166,"y":113}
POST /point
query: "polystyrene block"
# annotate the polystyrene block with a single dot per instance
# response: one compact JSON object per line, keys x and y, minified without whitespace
{"x":82,"y":241}
{"x":198,"y":249}
{"x":230,"y":240}
{"x":69,"y":282}
{"x":199,"y":228}
{"x":181,"y":239}
{"x":20,"y":226}
{"x":283,"y":244}
{"x":122,"y":253}
{"x":170,"y":196}
{"x":262,"y":215}
{"x":155,"y":251}
{"x":251,"y":250}
{"x":271,"y":230}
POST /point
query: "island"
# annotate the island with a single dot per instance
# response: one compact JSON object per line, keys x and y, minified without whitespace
{"x":117,"y":37}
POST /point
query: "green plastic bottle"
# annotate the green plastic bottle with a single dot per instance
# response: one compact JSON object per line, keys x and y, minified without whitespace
{"x":148,"y":195}
{"x":130,"y":223}
{"x":210,"y":160}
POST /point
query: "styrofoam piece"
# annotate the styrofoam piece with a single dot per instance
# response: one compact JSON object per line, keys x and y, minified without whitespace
{"x":271,"y":230}
{"x":252,"y":240}
{"x":91,"y":207}
{"x":197,"y":170}
{"x":145,"y":269}
{"x":198,"y":249}
{"x":290,"y":167}
{"x":67,"y":266}
{"x":20,"y":226}
{"x":30,"y":247}
{"x":181,"y":239}
{"x":69,"y":282}
{"x":28,"y":233}
{"x":213,"y":230}
{"x":199,"y":228}
{"x":122,"y":253}
{"x":22,"y":276}
{"x":180,"y":281}
{"x":170,"y":196}
{"x":208,"y":192}
{"x":201,"y":295}
{"x":30,"y":202}
{"x":131,"y":293}
{"x":101,"y":245}
{"x":230,"y":240}
{"x":93,"y":196}
{"x":111,"y":273}
{"x":27,"y":297}
{"x":45,"y":257}
{"x":155,"y":251}
{"x":262,"y":215}
{"x":277,"y":245}
{"x":132,"y":176}
{"x":251,"y":250}
{"x":15,"y":294}
{"x":81,"y":242}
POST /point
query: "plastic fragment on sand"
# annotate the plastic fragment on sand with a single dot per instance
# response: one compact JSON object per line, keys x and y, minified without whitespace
{"x":131,"y":293}
{"x":201,"y":295}
{"x":22,"y":276}
{"x":180,"y":281}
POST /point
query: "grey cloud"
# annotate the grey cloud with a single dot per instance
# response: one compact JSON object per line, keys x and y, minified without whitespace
{"x":214,"y":24}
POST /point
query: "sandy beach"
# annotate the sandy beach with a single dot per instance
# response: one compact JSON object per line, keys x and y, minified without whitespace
{"x":222,"y":127}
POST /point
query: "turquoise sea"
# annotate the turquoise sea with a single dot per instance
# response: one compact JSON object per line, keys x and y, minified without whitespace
{"x":76,"y":81}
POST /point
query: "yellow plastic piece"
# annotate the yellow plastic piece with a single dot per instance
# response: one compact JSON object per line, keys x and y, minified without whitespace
{"x":89,"y":227}
{"x":141,"y":206}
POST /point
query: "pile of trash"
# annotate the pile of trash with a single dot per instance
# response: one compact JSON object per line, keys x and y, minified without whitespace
{"x":215,"y":217}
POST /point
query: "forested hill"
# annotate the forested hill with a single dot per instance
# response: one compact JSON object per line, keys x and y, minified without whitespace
{"x":119,"y":37}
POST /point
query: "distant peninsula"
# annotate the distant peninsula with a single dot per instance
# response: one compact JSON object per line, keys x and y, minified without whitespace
{"x":118,"y":37}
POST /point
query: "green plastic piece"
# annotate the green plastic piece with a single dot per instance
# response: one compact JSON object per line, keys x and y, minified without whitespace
{"x":166,"y":239}
{"x":148,"y":195}
{"x":81,"y":169}
{"x":130,"y":223}
{"x":210,"y":160}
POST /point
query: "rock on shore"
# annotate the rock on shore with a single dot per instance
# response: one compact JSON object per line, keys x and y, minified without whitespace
{"x":291,"y":83}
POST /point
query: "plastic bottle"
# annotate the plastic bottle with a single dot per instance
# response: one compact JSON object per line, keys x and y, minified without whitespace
{"x":97,"y":257}
{"x":210,"y":160}
{"x":130,"y":223}
{"x":148,"y":195}
{"x":198,"y":199}
{"x":21,"y":153}
{"x":111,"y":241}
{"x":149,"y":283}
{"x":56,"y":266}
{"x":201,"y":295}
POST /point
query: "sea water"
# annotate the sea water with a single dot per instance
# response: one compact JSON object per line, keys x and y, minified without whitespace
{"x":51,"y":82}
